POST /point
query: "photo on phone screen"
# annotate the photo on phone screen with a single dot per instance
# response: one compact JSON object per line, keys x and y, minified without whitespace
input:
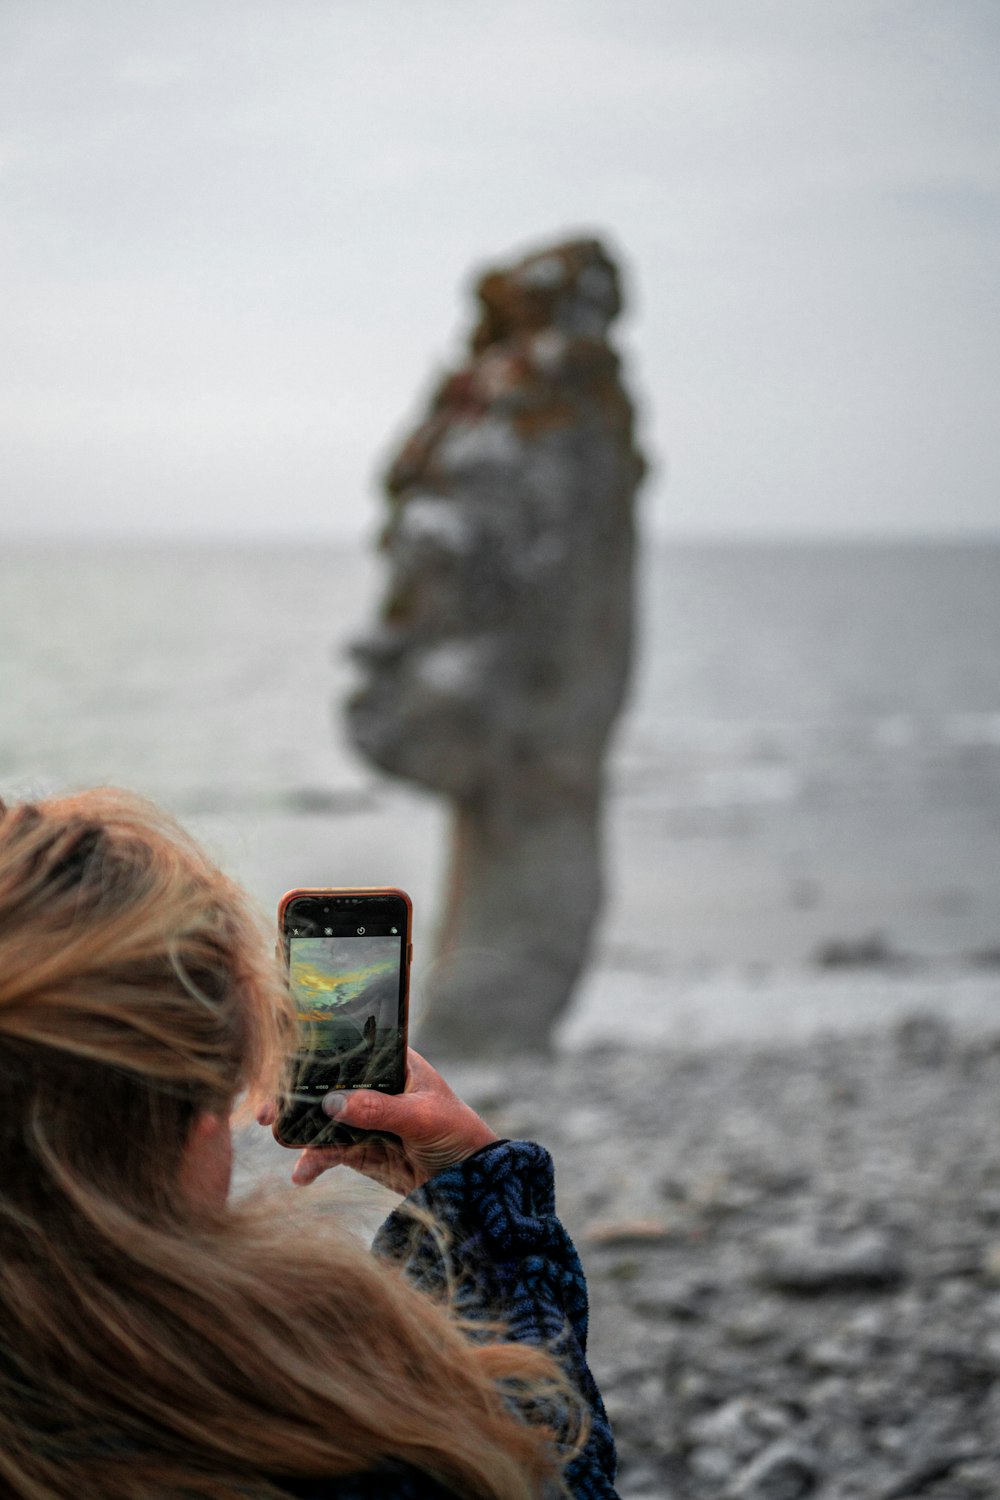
{"x":346,"y":989}
{"x":348,"y":963}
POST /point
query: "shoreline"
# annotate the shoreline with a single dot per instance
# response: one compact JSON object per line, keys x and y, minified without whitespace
{"x":713,"y":949}
{"x":793,"y":1006}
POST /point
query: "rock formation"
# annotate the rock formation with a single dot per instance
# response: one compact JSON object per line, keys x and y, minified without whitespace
{"x":500,"y":660}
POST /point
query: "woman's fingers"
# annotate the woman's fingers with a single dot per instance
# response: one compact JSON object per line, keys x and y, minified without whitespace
{"x":314,"y":1161}
{"x":433,"y":1126}
{"x":373,"y":1159}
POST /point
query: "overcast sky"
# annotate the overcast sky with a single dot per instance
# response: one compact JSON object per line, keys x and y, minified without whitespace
{"x":237,"y":238}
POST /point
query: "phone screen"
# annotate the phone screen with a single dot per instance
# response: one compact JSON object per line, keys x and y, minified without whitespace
{"x":348,"y":961}
{"x":346,"y":989}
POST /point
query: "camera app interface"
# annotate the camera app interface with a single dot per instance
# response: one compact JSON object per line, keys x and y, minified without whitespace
{"x":347,"y":993}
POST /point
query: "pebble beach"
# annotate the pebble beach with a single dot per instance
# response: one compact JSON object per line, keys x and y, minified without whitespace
{"x":793,"y":1254}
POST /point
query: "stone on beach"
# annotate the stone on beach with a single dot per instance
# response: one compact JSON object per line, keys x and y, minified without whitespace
{"x":798,"y":1262}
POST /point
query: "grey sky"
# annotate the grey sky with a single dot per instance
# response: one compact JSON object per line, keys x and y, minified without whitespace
{"x":236,"y":237}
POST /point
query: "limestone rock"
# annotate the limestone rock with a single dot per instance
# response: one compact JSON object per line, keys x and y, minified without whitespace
{"x":782,"y":1472}
{"x":866,"y":1260}
{"x":501,"y":657}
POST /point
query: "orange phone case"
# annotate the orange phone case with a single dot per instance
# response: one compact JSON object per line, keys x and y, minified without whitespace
{"x":386,"y":890}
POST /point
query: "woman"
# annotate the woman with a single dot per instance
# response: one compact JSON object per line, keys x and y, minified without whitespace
{"x":157,"y":1340}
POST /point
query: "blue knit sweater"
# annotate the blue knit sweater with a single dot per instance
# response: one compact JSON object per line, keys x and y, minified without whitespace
{"x":511,"y":1260}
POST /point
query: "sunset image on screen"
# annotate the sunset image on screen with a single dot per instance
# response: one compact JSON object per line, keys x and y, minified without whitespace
{"x":345,"y":988}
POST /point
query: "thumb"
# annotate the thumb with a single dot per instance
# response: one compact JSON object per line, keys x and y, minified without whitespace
{"x":368,"y":1109}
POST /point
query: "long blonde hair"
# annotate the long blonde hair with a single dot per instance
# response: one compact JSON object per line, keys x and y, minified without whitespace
{"x":148,"y":1346}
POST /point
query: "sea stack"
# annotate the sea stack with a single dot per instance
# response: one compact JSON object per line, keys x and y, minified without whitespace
{"x":501,"y":656}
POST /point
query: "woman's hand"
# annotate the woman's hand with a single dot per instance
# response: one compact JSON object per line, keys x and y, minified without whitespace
{"x":434,"y":1127}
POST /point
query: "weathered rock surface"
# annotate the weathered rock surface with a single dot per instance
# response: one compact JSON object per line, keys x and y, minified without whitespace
{"x":501,"y":657}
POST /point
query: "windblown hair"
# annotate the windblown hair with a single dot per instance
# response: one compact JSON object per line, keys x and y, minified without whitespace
{"x":150,"y":1345}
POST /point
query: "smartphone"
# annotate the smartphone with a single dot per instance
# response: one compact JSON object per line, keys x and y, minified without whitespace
{"x":348,"y":955}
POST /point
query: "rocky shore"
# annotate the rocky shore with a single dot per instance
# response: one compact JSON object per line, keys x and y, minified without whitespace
{"x":793,"y":1255}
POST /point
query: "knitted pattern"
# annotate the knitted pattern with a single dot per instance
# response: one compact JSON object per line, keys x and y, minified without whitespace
{"x":500,"y":1249}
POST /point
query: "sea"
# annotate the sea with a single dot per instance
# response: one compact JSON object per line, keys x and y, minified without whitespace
{"x":802,"y":824}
